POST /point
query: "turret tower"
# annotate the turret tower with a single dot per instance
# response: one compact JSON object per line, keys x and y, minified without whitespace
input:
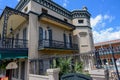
{"x":83,"y":31}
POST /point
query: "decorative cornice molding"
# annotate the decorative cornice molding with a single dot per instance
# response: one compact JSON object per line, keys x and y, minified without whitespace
{"x":57,"y":8}
{"x":84,"y":27}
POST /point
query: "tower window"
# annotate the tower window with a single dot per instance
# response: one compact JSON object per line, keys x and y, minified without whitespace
{"x":80,"y":21}
{"x":44,"y":11}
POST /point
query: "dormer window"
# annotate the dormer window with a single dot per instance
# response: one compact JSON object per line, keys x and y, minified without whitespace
{"x":44,"y":11}
{"x":80,"y":21}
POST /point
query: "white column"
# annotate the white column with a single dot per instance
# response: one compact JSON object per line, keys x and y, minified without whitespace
{"x":53,"y":74}
{"x":33,"y":35}
{"x":32,"y":39}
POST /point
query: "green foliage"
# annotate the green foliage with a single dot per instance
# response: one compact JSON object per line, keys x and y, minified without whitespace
{"x":65,"y":66}
{"x":78,"y":67}
{"x":3,"y":65}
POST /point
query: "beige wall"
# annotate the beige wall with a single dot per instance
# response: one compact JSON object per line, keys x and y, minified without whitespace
{"x":1,"y":25}
{"x":37,"y":8}
{"x":28,"y":6}
{"x":33,"y":36}
{"x":57,"y":32}
{"x":52,"y":74}
{"x":86,"y":22}
{"x":20,"y":30}
{"x":85,"y":42}
{"x":38,"y":77}
{"x":19,"y":70}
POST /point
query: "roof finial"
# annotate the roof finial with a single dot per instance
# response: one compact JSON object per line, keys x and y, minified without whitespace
{"x":84,"y":8}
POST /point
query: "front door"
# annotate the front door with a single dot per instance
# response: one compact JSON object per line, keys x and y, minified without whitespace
{"x":9,"y":74}
{"x":23,"y":70}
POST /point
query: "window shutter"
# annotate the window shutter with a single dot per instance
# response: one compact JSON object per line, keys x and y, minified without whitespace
{"x":64,"y":35}
{"x":50,"y":37}
{"x":25,"y":34}
{"x":40,"y":34}
{"x":70,"y":38}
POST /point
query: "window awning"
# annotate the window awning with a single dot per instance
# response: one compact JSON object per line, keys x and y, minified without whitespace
{"x":13,"y":53}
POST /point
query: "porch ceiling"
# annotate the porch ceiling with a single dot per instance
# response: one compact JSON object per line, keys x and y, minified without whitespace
{"x":11,"y":18}
{"x":14,"y":21}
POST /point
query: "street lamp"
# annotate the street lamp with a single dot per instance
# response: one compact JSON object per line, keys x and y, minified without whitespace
{"x":11,"y":32}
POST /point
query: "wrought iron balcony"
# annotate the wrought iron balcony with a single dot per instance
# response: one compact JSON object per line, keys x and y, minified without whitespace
{"x":53,"y":44}
{"x":13,"y":43}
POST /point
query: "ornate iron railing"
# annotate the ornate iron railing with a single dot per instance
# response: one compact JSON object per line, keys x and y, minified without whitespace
{"x":13,"y":43}
{"x":103,"y":56}
{"x":45,"y":43}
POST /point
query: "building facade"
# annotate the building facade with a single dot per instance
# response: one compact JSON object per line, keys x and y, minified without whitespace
{"x":104,"y":51}
{"x":39,"y":29}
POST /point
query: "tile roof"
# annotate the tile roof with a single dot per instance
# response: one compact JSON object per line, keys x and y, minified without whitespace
{"x":107,"y":42}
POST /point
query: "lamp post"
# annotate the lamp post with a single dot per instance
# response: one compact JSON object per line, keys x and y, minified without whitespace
{"x":111,"y":48}
{"x":11,"y":32}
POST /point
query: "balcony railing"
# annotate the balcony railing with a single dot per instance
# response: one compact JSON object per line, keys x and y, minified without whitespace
{"x":13,"y":43}
{"x":53,"y":44}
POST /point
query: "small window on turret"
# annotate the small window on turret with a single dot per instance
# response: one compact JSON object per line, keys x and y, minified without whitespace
{"x":80,"y":21}
{"x":44,"y":11}
{"x":26,"y":9}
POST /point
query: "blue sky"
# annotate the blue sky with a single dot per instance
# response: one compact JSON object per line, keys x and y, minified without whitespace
{"x":105,"y":19}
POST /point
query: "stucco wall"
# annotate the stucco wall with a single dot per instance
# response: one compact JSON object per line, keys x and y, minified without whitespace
{"x":57,"y":32}
{"x":85,"y":42}
{"x":86,"y":22}
{"x":20,"y":29}
{"x":37,"y":8}
{"x":38,"y":77}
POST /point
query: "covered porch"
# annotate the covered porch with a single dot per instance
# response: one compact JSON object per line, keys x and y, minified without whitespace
{"x":13,"y":48}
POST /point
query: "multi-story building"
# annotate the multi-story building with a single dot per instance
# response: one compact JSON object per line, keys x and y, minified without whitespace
{"x":105,"y":50}
{"x":38,"y":29}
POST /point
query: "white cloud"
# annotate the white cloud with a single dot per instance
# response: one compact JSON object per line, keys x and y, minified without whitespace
{"x":65,"y":2}
{"x":100,"y":20}
{"x":105,"y":35}
{"x":110,"y":18}
{"x":100,"y":33}
{"x":96,"y":20}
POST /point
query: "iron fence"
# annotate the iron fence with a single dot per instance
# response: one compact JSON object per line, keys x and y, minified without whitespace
{"x":107,"y":57}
